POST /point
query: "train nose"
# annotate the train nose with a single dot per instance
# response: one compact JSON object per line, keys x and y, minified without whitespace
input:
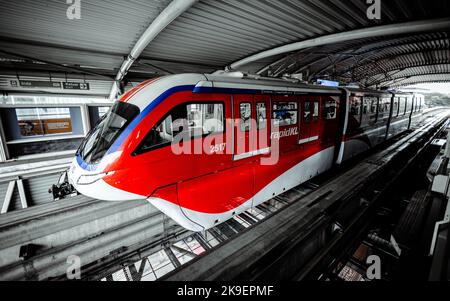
{"x":84,"y":181}
{"x":96,"y":184}
{"x":89,"y":179}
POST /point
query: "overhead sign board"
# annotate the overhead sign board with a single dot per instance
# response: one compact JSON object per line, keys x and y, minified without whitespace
{"x":75,"y":86}
{"x":49,"y":84}
{"x":39,"y":84}
{"x":328,"y":83}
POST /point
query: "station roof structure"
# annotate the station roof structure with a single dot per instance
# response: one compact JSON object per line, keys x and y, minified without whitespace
{"x":138,"y":39}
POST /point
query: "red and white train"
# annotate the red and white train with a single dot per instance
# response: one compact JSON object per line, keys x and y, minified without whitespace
{"x":129,"y":154}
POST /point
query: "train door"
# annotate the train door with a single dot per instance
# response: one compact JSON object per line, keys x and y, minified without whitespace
{"x":315,"y":120}
{"x":310,"y":129}
{"x":221,"y":187}
{"x":409,"y":107}
{"x":262,"y":141}
{"x":245,"y":128}
{"x":310,"y":123}
{"x":245,"y":147}
{"x":330,"y":120}
{"x":305,"y":120}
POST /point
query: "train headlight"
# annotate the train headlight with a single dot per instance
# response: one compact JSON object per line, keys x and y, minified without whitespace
{"x":89,"y":179}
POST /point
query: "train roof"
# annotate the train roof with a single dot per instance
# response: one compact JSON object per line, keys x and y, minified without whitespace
{"x":403,"y":93}
{"x":367,"y":91}
{"x":227,"y":83}
{"x":267,"y":85}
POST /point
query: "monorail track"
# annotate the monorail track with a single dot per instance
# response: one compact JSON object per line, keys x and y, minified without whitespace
{"x":112,"y":236}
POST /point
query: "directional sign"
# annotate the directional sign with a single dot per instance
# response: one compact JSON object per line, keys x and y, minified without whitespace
{"x":39,"y":84}
{"x":75,"y":86}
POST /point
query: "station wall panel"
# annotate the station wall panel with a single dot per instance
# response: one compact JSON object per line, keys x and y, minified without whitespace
{"x":42,"y":147}
{"x":37,"y":189}
{"x":15,"y":203}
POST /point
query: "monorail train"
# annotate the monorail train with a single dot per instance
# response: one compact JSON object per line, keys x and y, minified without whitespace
{"x":130,"y":155}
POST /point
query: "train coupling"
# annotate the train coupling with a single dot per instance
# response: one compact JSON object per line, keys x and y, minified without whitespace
{"x":62,"y":188}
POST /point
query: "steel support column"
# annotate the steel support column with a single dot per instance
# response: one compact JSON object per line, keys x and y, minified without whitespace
{"x":170,"y":13}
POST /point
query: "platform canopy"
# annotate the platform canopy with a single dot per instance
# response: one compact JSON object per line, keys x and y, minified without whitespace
{"x":340,"y":40}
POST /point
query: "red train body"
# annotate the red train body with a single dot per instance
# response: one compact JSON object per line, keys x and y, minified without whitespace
{"x":202,"y":148}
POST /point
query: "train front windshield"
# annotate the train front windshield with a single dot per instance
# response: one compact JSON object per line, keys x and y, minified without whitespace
{"x":107,"y":130}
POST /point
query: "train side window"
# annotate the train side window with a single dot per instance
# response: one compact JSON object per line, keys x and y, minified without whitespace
{"x":381,"y":107}
{"x":315,"y":114}
{"x":366,"y":106}
{"x":355,"y":106}
{"x":163,"y":132}
{"x":245,"y":116}
{"x":204,"y":119}
{"x":261,"y":115}
{"x":190,"y":120}
{"x":285,"y":113}
{"x":307,"y":111}
{"x":395,"y":107}
{"x":330,"y":109}
{"x":402,"y":106}
{"x":384,"y":108}
{"x":387,"y":106}
{"x":373,"y":105}
{"x":373,"y":108}
{"x":409,"y":105}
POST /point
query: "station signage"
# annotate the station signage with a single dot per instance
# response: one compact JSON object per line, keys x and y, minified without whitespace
{"x":75,"y":86}
{"x":50,"y":84}
{"x":39,"y":84}
{"x":328,"y":83}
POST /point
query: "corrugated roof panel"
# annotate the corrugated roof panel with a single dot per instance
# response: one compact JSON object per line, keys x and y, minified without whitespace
{"x":224,"y":31}
{"x":418,"y":79}
{"x":111,"y":26}
{"x":214,"y":33}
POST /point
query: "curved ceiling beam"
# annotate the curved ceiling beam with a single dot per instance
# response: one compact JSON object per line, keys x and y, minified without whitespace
{"x":371,"y":70}
{"x":170,"y":13}
{"x":431,"y":78}
{"x":374,"y":49}
{"x":423,"y":81}
{"x":379,"y":51}
{"x":370,"y":32}
{"x":394,"y":77}
{"x":349,"y":52}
